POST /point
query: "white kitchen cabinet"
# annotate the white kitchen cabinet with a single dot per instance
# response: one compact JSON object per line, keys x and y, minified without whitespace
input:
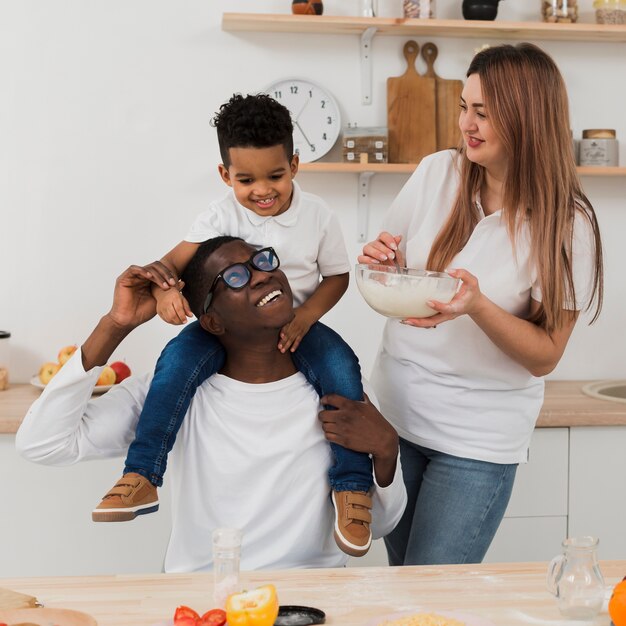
{"x":596,"y":487}
{"x":46,"y":522}
{"x":540,"y":488}
{"x":527,"y":539}
{"x":536,"y":520}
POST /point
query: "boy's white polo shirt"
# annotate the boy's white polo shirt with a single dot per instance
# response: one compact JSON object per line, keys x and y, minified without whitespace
{"x":307,"y":237}
{"x":450,"y":388}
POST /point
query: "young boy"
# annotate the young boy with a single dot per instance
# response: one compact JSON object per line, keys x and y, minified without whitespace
{"x":265,"y":208}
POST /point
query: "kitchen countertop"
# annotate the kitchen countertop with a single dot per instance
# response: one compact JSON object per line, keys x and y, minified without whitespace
{"x":565,"y":405}
{"x":504,"y":594}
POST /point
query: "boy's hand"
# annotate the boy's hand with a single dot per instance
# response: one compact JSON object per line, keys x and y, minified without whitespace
{"x":291,"y":334}
{"x":172,"y":306}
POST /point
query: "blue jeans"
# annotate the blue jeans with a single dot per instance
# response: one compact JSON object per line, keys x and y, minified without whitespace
{"x":326,"y":360}
{"x":454,"y":508}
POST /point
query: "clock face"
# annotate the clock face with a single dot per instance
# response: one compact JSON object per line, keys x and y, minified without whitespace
{"x":315,"y":115}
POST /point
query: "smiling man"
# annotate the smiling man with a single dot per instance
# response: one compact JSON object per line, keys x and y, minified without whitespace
{"x":253,"y":451}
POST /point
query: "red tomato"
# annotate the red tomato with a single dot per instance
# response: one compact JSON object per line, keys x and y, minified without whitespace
{"x":184,"y":616}
{"x":214,"y":617}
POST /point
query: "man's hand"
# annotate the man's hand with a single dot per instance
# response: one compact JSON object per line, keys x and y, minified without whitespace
{"x":291,"y":334}
{"x":133,"y":303}
{"x":360,"y":426}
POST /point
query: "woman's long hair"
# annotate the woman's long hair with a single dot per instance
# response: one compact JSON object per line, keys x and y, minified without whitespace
{"x":527,"y":105}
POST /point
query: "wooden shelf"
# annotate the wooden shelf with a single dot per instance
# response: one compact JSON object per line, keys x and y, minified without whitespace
{"x":474,"y":29}
{"x":407,"y":168}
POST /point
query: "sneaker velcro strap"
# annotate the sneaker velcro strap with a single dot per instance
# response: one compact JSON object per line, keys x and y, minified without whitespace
{"x":120,"y":490}
{"x":359,"y":515}
{"x":359,"y":499}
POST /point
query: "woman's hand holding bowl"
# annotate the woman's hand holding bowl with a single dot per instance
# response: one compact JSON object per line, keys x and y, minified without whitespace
{"x":466,"y":301}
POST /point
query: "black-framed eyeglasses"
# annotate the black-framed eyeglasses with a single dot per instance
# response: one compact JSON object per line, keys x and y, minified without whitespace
{"x":237,"y":275}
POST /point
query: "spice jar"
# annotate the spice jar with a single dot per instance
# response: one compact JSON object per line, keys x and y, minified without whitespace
{"x":423,"y":9}
{"x":598,"y":147}
{"x":559,"y":11}
{"x":610,"y":11}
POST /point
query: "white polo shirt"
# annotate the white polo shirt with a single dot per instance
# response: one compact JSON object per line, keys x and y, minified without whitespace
{"x":307,"y":237}
{"x":450,"y":388}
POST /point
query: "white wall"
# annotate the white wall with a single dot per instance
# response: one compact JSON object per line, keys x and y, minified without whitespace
{"x":106,"y":155}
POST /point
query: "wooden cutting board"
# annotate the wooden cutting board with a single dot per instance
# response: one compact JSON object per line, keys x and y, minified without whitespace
{"x":14,"y":600}
{"x":411,"y":112}
{"x":447,"y":98}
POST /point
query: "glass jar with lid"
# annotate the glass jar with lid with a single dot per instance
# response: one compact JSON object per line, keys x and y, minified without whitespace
{"x":610,"y":11}
{"x":421,"y":9}
{"x":559,"y":11}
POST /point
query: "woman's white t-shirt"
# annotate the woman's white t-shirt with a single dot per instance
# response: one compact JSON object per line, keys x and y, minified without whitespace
{"x":451,"y":388}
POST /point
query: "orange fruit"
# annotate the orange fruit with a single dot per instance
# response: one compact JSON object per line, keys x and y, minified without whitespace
{"x":617,"y":604}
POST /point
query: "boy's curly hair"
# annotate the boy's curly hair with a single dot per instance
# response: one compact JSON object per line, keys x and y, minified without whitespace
{"x":253,"y":121}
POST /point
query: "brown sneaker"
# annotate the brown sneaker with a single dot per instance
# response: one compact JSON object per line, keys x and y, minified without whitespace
{"x":132,"y":495}
{"x":352,"y":521}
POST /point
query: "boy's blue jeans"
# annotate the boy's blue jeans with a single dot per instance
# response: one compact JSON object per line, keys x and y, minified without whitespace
{"x":326,"y":360}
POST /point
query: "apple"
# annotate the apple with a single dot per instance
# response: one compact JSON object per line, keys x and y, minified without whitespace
{"x":47,"y":371}
{"x":65,"y":353}
{"x":122,"y":371}
{"x":107,"y":376}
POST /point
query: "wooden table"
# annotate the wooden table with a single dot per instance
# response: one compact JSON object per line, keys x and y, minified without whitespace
{"x":507,"y":594}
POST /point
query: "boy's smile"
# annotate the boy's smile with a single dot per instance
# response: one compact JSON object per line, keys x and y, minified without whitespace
{"x":261,"y":178}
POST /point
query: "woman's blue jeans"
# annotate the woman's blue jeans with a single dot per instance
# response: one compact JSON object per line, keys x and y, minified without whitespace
{"x":326,"y":360}
{"x":454,"y":508}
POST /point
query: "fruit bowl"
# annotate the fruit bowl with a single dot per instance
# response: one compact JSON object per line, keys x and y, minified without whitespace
{"x":402,"y":292}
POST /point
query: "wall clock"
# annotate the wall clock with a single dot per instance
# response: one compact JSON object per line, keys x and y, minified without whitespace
{"x":315,"y":115}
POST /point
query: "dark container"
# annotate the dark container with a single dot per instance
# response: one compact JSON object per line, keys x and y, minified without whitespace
{"x":480,"y":9}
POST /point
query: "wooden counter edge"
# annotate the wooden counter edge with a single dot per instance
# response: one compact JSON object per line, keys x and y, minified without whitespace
{"x":565,"y":406}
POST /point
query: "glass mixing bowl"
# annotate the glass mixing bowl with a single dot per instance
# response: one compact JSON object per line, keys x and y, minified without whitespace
{"x":402,"y":292}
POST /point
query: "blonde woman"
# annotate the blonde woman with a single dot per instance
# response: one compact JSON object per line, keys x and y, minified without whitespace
{"x":464,"y":387}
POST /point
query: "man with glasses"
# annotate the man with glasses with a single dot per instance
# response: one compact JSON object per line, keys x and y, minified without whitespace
{"x":252,"y":453}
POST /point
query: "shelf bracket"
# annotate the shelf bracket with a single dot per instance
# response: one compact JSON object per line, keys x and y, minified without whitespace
{"x":366,"y":64}
{"x":363,"y":206}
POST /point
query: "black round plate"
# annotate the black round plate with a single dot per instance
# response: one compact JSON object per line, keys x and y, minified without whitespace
{"x":299,"y":616}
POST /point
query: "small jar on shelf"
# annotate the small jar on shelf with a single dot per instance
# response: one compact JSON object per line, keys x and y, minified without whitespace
{"x":599,"y":147}
{"x":610,"y":11}
{"x":559,"y":11}
{"x":421,"y":9}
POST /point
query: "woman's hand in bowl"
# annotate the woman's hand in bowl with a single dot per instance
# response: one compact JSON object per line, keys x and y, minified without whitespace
{"x":465,"y":302}
{"x":384,"y":250}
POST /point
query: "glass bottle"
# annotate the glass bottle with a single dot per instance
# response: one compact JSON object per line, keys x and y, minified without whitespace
{"x":559,"y":11}
{"x":226,"y":556}
{"x":368,"y":8}
{"x":574,"y":577}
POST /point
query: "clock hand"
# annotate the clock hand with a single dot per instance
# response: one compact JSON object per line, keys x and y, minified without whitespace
{"x":302,"y":109}
{"x":305,"y":137}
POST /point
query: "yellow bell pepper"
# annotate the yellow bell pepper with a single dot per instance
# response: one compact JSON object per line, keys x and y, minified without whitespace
{"x":258,"y":607}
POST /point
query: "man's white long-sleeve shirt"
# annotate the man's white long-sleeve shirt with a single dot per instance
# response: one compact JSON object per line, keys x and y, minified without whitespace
{"x":247,"y":456}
